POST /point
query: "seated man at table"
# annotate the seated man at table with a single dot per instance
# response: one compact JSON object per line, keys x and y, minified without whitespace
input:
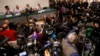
{"x":17,"y":11}
{"x":28,"y":8}
{"x":8,"y":11}
{"x":39,"y":6}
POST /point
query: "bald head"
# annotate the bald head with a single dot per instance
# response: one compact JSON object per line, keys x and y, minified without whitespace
{"x":5,"y":26}
{"x":6,"y":22}
{"x":31,"y":21}
{"x":17,"y":7}
{"x":72,"y":37}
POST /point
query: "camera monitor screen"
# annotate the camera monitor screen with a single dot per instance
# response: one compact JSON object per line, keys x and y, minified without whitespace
{"x":23,"y":53}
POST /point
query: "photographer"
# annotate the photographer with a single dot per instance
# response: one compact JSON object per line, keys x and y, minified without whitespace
{"x":96,"y":37}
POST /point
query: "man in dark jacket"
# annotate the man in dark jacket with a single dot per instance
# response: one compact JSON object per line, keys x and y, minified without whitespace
{"x":96,"y":35}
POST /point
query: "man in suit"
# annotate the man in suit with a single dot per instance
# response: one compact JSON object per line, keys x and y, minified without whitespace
{"x":28,"y":8}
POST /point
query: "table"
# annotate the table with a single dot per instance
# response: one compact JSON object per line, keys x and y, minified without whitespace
{"x":22,"y":18}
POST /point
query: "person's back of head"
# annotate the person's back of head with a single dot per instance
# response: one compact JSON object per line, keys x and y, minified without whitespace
{"x":12,"y":26}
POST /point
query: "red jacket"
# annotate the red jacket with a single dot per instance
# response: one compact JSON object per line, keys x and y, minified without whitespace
{"x":11,"y":34}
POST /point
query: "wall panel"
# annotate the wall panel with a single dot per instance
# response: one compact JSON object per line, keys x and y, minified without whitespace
{"x":22,"y":3}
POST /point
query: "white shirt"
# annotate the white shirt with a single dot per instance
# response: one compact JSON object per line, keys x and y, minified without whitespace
{"x":8,"y":12}
{"x":17,"y":11}
{"x":39,"y":8}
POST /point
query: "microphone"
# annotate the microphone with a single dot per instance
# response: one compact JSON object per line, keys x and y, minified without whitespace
{"x":35,"y":36}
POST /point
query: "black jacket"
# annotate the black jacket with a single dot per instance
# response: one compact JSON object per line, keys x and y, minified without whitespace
{"x":96,"y":36}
